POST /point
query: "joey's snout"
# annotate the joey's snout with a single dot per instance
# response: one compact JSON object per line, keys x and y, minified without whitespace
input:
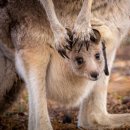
{"x":94,"y":75}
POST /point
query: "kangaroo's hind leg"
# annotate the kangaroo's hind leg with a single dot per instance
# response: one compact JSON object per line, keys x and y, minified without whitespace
{"x":32,"y":65}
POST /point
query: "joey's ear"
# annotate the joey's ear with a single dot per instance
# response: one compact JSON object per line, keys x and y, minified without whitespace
{"x":96,"y":37}
{"x":106,"y":71}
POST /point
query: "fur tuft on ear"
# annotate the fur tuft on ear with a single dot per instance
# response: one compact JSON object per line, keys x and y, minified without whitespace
{"x":96,"y":37}
{"x":106,"y":71}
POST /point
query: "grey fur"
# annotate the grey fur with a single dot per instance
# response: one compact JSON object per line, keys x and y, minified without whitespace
{"x":10,"y":83}
{"x":26,"y":25}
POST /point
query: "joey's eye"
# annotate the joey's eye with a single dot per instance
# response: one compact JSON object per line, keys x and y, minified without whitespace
{"x":79,"y":60}
{"x":97,"y":56}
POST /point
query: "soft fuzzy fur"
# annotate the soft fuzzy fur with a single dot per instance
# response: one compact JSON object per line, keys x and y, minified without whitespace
{"x":10,"y":83}
{"x":26,"y":25}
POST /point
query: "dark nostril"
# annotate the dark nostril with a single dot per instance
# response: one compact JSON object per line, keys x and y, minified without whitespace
{"x":94,"y":75}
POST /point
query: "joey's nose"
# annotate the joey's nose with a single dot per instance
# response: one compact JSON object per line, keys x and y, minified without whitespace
{"x":94,"y":75}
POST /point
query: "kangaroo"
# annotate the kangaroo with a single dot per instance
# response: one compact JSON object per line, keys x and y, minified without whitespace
{"x":35,"y":29}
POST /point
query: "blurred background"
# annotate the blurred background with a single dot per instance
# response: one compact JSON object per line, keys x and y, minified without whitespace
{"x":16,"y":117}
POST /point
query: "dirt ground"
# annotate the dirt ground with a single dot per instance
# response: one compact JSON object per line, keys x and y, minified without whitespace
{"x":118,"y":100}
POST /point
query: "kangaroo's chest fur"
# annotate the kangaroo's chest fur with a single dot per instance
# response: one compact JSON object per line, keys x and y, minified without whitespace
{"x":32,"y":17}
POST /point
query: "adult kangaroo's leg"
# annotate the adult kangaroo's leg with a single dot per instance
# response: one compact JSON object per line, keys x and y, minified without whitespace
{"x":32,"y":65}
{"x":93,"y":111}
{"x":82,"y":27}
{"x":60,"y":33}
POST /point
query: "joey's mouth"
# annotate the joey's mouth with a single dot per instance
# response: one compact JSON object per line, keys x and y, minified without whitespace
{"x":92,"y":78}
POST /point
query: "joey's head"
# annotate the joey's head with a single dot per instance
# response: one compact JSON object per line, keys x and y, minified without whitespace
{"x":89,"y":59}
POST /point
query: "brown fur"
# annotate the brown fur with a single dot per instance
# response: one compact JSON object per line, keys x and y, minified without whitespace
{"x":10,"y":84}
{"x":26,"y":25}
